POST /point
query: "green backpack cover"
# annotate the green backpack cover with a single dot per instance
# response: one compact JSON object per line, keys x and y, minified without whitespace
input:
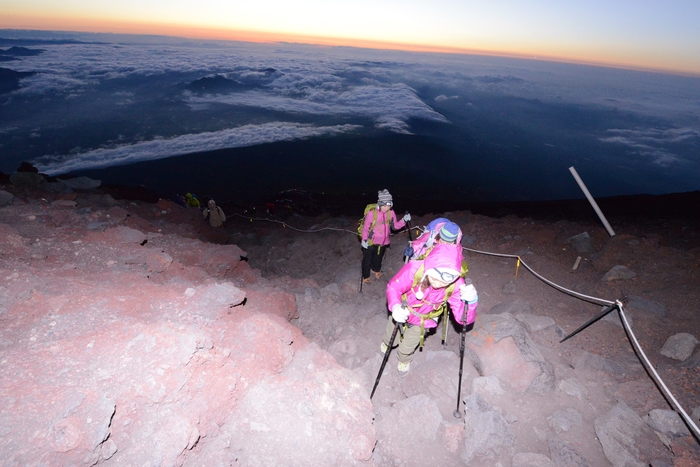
{"x":361,"y":222}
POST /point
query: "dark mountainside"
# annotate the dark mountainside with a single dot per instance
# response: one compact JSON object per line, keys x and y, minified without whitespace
{"x":20,"y":52}
{"x":135,"y":334}
{"x":9,"y":79}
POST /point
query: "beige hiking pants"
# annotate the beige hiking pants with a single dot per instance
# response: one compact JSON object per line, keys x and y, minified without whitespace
{"x":407,"y":345}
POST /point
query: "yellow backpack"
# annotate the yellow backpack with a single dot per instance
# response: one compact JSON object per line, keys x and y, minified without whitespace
{"x":361,"y":222}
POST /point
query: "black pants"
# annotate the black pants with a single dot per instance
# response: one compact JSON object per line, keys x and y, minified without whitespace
{"x":372,"y":258}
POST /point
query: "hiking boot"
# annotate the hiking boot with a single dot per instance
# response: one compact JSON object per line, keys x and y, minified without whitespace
{"x":403,"y":368}
{"x":366,"y":280}
{"x":378,"y":275}
{"x":383,"y":348}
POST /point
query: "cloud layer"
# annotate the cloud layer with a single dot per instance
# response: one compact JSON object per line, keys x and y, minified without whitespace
{"x":95,"y":104}
{"x":654,"y":144}
{"x":247,"y":135}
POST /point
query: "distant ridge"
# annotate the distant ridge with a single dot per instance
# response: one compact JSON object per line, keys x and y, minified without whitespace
{"x":16,"y":51}
{"x":25,"y":42}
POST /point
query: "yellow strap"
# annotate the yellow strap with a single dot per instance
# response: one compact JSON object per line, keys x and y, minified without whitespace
{"x":442,"y":308}
{"x":375,"y":214}
{"x":517,"y":267}
{"x":433,"y":314}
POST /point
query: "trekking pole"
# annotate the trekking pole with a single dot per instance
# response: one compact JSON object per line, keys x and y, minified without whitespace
{"x":445,"y":327}
{"x":457,"y":413}
{"x":410,"y":239}
{"x":362,"y":279}
{"x":386,"y":358}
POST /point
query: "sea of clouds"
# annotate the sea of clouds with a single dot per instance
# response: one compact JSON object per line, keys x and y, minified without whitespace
{"x":359,"y":89}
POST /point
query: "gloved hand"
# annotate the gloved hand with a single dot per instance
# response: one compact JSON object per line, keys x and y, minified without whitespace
{"x":408,"y":251}
{"x":399,"y":313}
{"x":365,"y":244}
{"x":407,"y":218}
{"x":467,"y":293}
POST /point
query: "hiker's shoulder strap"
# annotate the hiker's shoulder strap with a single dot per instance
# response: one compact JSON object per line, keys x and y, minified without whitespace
{"x":373,"y":211}
{"x":448,"y":292}
{"x":418,"y":275}
{"x":462,"y":273}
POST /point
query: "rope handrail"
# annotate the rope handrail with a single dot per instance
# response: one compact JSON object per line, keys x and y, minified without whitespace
{"x":628,"y":330}
{"x":573,"y":293}
{"x":285,"y":225}
{"x":655,"y":376}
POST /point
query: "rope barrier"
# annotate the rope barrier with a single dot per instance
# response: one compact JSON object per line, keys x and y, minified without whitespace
{"x":285,"y":225}
{"x":573,"y":293}
{"x":654,"y":375}
{"x":628,"y":330}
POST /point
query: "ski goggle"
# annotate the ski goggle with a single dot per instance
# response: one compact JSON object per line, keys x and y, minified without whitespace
{"x":446,"y":276}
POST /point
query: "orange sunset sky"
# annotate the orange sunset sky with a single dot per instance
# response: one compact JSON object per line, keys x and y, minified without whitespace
{"x":637,"y":34}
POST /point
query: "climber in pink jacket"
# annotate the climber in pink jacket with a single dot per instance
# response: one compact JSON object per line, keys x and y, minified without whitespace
{"x":417,"y":295}
{"x":376,"y":232}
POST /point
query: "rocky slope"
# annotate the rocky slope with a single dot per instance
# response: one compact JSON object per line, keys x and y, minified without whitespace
{"x":133,"y":334}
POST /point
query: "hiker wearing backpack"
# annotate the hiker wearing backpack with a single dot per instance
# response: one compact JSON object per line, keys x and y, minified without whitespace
{"x":375,"y":233}
{"x":191,"y":200}
{"x":441,"y":230}
{"x":214,"y":214}
{"x":418,"y":296}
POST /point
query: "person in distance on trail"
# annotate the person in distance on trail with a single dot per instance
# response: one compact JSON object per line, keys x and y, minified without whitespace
{"x":440,"y":230}
{"x":376,"y":232}
{"x":418,"y":296}
{"x":192,"y":200}
{"x":214,"y":213}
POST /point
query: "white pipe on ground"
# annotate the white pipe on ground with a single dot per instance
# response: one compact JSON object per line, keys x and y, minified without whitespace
{"x":611,"y":232}
{"x":576,"y":263}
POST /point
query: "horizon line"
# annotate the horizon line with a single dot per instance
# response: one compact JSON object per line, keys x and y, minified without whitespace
{"x":262,"y":37}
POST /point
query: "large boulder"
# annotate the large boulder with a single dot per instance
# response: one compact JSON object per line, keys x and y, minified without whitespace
{"x":487,"y":434}
{"x":679,"y":346}
{"x":627,"y":441}
{"x":667,"y":425}
{"x":437,"y":378}
{"x":619,"y":272}
{"x":582,"y":243}
{"x":312,"y":401}
{"x":141,"y":393}
{"x":28,"y":180}
{"x":414,"y":418}
{"x":6,"y":198}
{"x":564,"y":455}
{"x":505,"y":350}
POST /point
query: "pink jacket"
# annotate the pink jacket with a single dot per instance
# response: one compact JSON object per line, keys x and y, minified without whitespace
{"x":445,"y":256}
{"x":381,"y":233}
